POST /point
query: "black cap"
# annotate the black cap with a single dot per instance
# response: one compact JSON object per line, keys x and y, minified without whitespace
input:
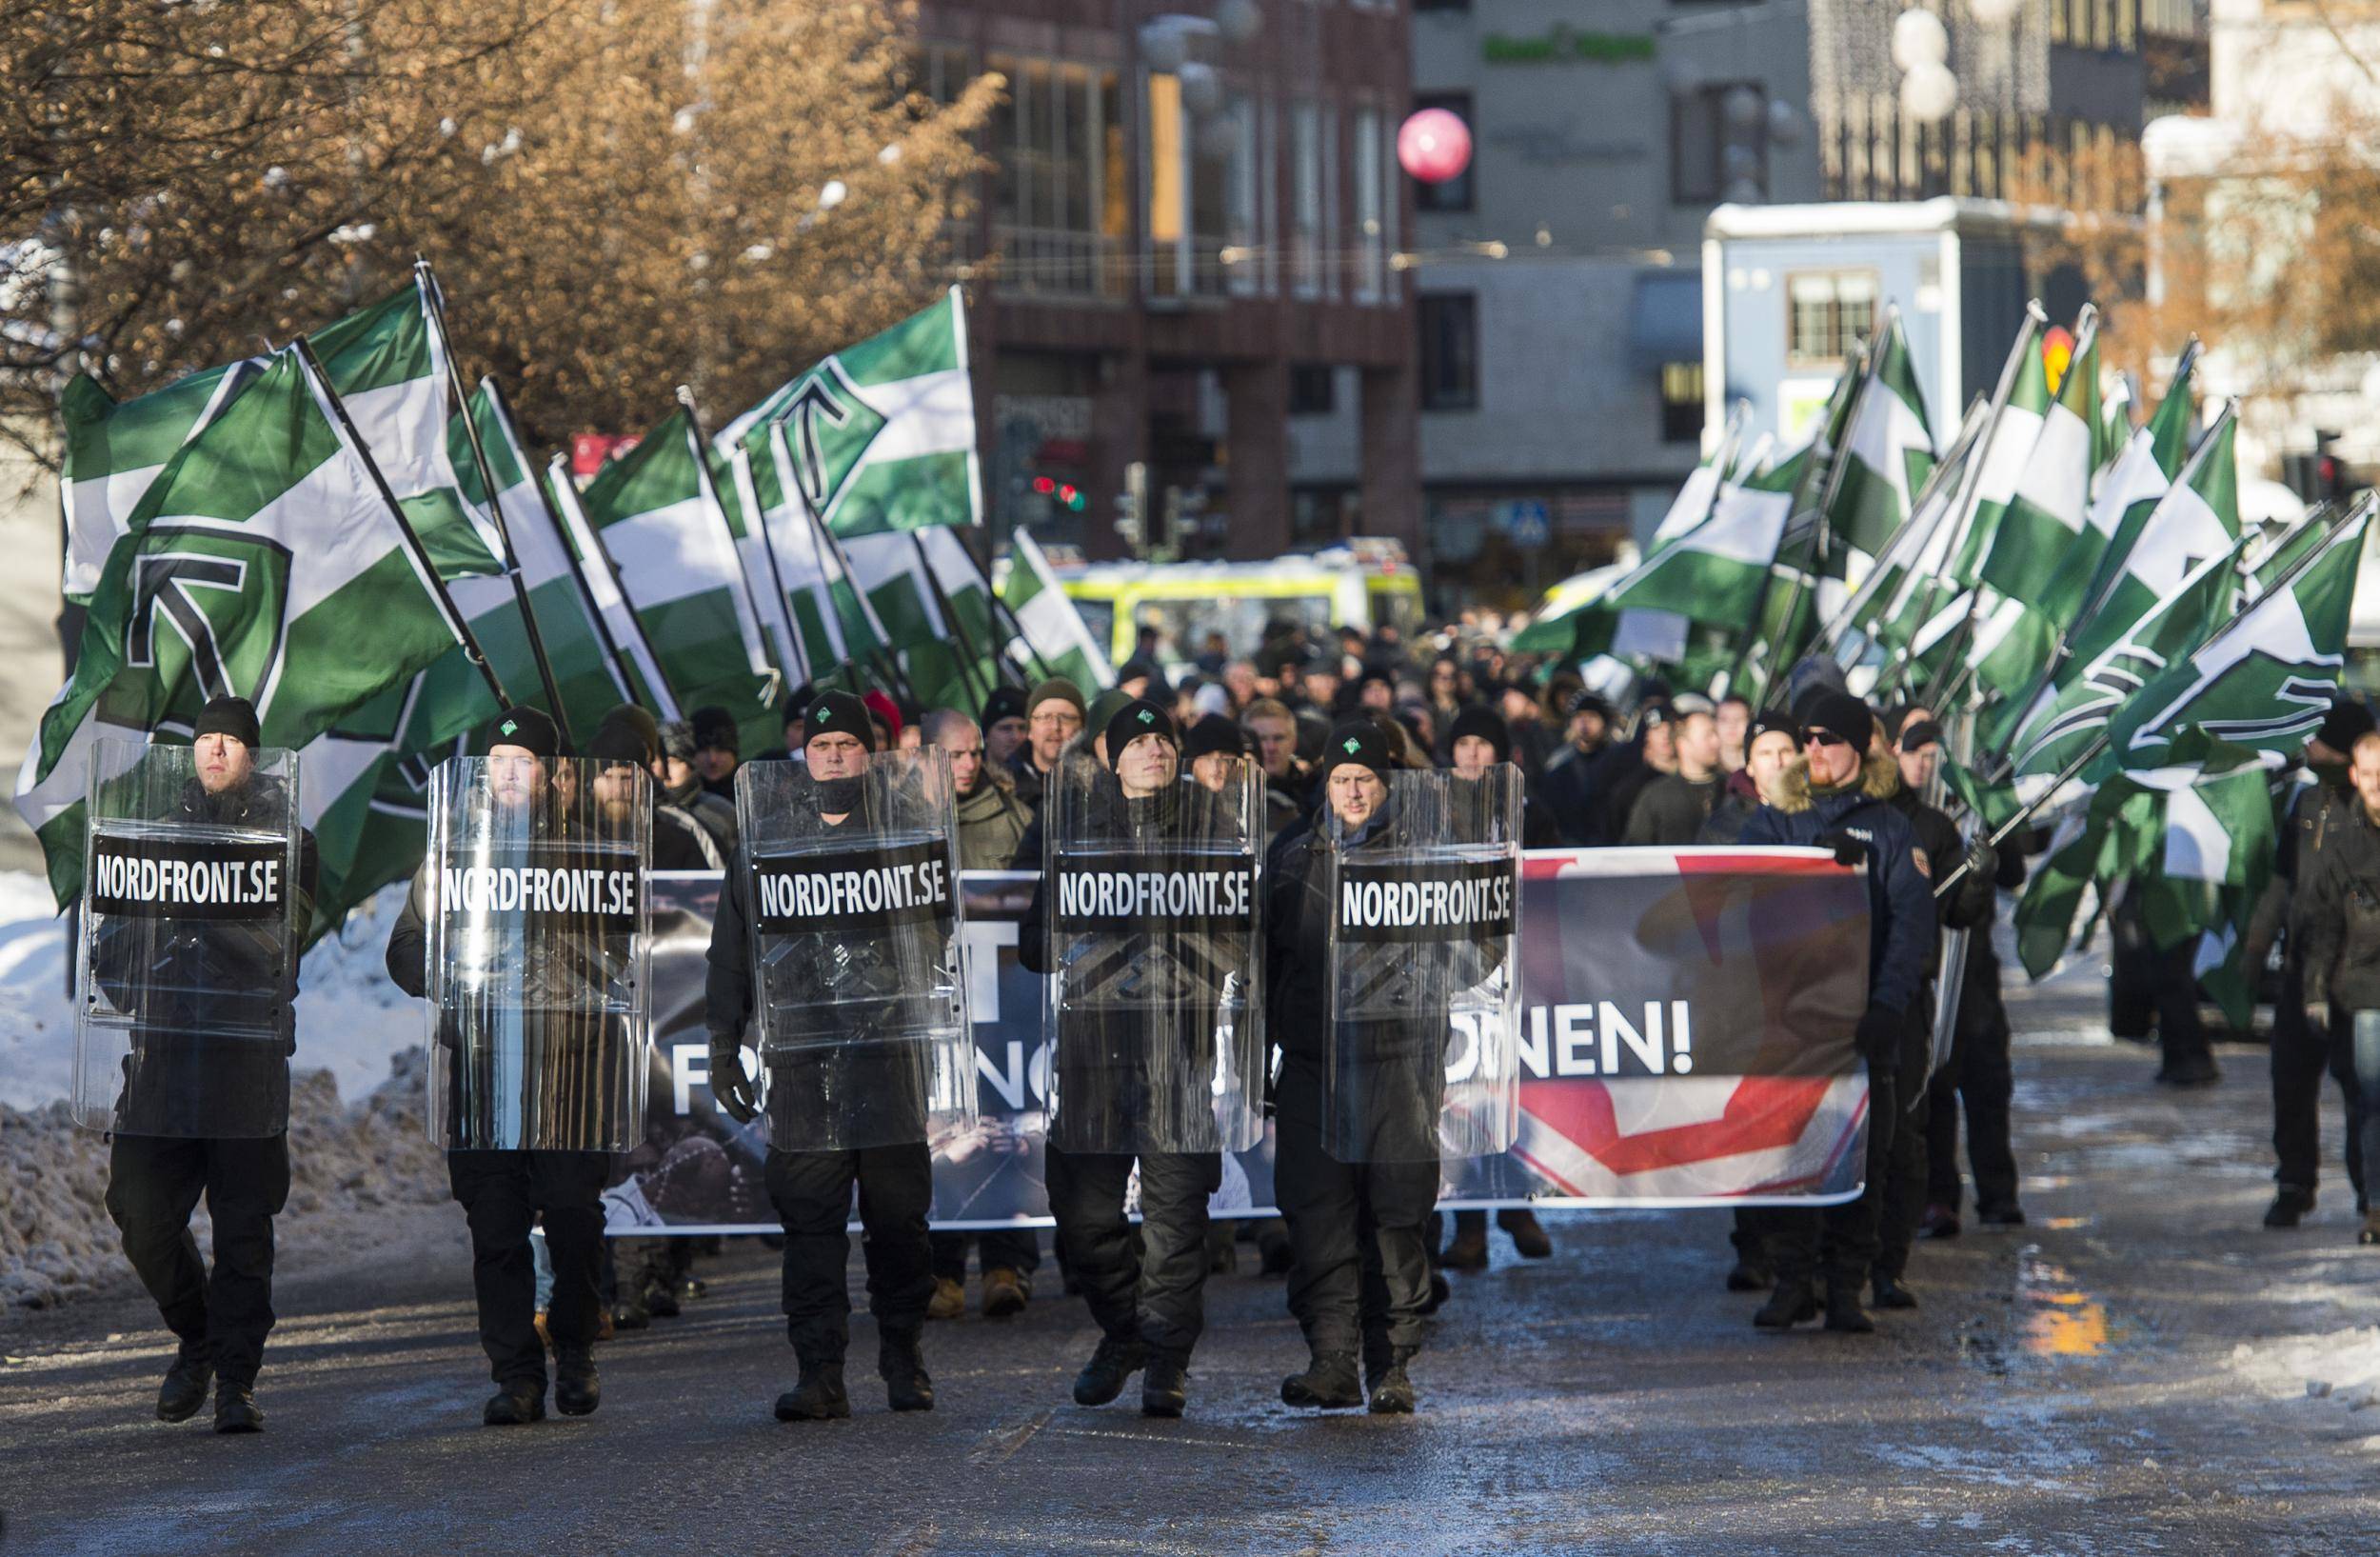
{"x":528,"y":730}
{"x":2347,"y":722}
{"x":1584,"y":701}
{"x":1924,"y":733}
{"x":1361,"y":743}
{"x":617,"y":744}
{"x":677,"y":740}
{"x":1140,"y":665}
{"x":714,"y":727}
{"x":1776,"y":719}
{"x":1845,"y":716}
{"x":1656,"y":713}
{"x":232,"y":716}
{"x":1487,"y":725}
{"x":1004,"y":703}
{"x":1212,"y":734}
{"x":1137,"y":718}
{"x":796,"y":703}
{"x":839,"y":713}
{"x":638,"y":725}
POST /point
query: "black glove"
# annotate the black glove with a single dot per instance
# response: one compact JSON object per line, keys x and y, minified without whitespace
{"x":732,"y":1086}
{"x":1847,"y":849}
{"x":1880,"y":1030}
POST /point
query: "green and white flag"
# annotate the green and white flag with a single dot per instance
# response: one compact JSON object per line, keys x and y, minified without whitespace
{"x":657,"y":516}
{"x":2198,"y":517}
{"x":114,"y":450}
{"x":2138,"y":544}
{"x":882,"y":434}
{"x":2266,"y":679}
{"x":936,"y":612}
{"x":764,"y":575}
{"x":1714,"y":573}
{"x":1052,"y":634}
{"x":2044,"y":531}
{"x":603,"y":589}
{"x":2007,"y":454}
{"x":832,"y":617}
{"x":1888,"y":450}
{"x":262,"y":561}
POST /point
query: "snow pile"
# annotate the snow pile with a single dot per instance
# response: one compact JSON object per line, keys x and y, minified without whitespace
{"x":2341,"y":1366}
{"x":348,"y":1162}
{"x":351,"y":1020}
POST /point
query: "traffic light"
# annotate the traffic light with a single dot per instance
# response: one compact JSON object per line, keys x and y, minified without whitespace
{"x":2321,"y":476}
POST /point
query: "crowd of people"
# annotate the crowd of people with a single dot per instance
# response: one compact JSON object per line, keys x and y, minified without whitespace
{"x":1326,"y":726}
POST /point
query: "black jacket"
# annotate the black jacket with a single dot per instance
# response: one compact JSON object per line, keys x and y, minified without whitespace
{"x":2337,"y":912}
{"x":1672,"y":810}
{"x":1572,"y":789}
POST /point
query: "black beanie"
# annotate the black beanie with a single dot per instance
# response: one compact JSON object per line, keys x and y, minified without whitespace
{"x":528,"y":730}
{"x":616,"y":744}
{"x":714,"y":727}
{"x":2347,"y":722}
{"x":1361,"y":742}
{"x":1845,"y":716}
{"x":1923,"y":733}
{"x":227,"y":715}
{"x":839,"y":713}
{"x":634,"y":722}
{"x":1214,"y":733}
{"x":677,"y":740}
{"x":1487,"y":725}
{"x":1004,"y":703}
{"x":1773,"y":720}
{"x":1137,"y":718}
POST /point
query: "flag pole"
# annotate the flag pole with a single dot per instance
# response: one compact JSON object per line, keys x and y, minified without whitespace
{"x":1006,"y":616}
{"x":1846,"y":619}
{"x":971,"y":670}
{"x":1835,"y":465}
{"x":558,"y":493}
{"x":455,"y":624}
{"x":425,"y":283}
{"x":703,"y":478}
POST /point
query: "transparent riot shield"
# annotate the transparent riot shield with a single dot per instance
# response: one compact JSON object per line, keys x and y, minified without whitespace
{"x":851,"y":901}
{"x":1425,"y":1010}
{"x":189,"y":942}
{"x":1154,"y":1004}
{"x":533,"y":897}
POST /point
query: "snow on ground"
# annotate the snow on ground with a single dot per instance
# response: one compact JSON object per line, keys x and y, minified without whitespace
{"x":358,"y":1037}
{"x":351,"y":1021}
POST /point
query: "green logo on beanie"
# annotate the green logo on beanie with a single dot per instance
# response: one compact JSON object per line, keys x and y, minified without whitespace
{"x":825,"y":714}
{"x":1353,"y":746}
{"x":1147,"y":718}
{"x":510,"y":726}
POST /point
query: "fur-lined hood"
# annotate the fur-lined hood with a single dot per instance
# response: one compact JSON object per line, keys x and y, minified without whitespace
{"x":1879,"y":779}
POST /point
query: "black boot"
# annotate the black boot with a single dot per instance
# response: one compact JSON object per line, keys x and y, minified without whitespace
{"x":1890,"y":1294}
{"x":817,"y":1397}
{"x":236,"y":1410}
{"x":1164,"y":1386}
{"x":1527,"y":1234}
{"x":906,"y":1387}
{"x":1392,"y":1391}
{"x":1440,"y":1289}
{"x":2289,"y":1206}
{"x":1469,"y":1252}
{"x":578,"y":1390}
{"x":1793,"y":1303}
{"x":1102,"y":1378}
{"x":1328,"y":1384}
{"x":185,"y":1388}
{"x":1843,"y":1313}
{"x":518,"y":1403}
{"x":660,"y":1299}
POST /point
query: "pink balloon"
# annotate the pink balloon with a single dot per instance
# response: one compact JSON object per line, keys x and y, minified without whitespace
{"x":1433,"y":146}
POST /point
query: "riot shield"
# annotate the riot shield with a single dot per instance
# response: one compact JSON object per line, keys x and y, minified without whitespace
{"x":851,"y":901}
{"x":190,"y":940}
{"x":1154,"y":1002}
{"x":533,"y":897}
{"x":1425,"y":1012}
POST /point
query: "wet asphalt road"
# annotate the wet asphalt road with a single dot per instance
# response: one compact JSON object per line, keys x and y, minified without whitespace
{"x":2075,"y":1387}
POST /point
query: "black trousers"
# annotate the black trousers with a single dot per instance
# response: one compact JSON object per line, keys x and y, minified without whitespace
{"x":1157,"y":1295}
{"x":503,"y":1194}
{"x":2301,"y":1057}
{"x":1904,"y":1197}
{"x":2149,"y":984}
{"x":1013,"y":1248}
{"x":153,"y":1184}
{"x":1980,"y":1081}
{"x":812,"y":1193}
{"x":1359,"y":1238}
{"x":1841,"y":1240}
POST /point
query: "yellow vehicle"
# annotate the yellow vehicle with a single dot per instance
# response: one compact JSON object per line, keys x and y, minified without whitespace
{"x":1364,"y":584}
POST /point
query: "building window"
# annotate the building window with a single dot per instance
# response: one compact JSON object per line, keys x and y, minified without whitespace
{"x":1058,"y":213}
{"x":1681,"y":402}
{"x":1333,"y":265}
{"x":1305,"y":250}
{"x":1371,"y":210}
{"x":1313,"y":388}
{"x":1457,"y":193}
{"x":1450,"y":350}
{"x":1719,"y":144}
{"x":1244,"y":229}
{"x":1189,"y":196}
{"x":1826,"y":314}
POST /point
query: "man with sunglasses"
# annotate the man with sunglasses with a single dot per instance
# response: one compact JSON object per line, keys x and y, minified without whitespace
{"x":1838,"y":797}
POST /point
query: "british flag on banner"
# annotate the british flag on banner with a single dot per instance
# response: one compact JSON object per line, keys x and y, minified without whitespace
{"x":1686,"y":1032}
